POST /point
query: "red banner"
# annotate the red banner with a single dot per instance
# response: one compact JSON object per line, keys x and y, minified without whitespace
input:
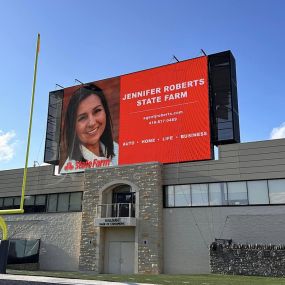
{"x":164,"y":114}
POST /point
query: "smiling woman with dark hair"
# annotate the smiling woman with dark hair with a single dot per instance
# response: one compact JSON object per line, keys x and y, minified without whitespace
{"x":87,"y":131}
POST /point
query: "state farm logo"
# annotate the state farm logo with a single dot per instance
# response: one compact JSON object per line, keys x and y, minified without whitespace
{"x":69,"y":166}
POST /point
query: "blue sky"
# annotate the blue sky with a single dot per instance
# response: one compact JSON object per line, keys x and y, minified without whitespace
{"x":92,"y":40}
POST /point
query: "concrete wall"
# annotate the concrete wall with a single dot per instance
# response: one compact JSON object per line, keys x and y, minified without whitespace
{"x":187,"y":252}
{"x":59,"y":233}
{"x":40,"y":180}
{"x":188,"y":232}
{"x":244,"y":161}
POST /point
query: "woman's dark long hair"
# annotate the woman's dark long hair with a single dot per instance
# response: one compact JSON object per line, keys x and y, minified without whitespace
{"x":71,"y":140}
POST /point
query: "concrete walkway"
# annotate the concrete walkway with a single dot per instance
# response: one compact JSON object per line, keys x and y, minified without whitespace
{"x":8,"y":279}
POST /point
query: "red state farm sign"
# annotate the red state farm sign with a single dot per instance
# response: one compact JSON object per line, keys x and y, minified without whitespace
{"x":164,"y":114}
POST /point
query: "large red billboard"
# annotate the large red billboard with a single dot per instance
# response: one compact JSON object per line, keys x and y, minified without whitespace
{"x":161,"y":114}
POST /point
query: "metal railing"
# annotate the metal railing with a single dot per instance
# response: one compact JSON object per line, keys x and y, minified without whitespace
{"x":115,"y":210}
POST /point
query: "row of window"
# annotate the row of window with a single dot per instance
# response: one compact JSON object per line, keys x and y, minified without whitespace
{"x":259,"y":192}
{"x":51,"y":203}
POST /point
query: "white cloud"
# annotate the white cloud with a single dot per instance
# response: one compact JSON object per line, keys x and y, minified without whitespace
{"x":7,"y":145}
{"x":278,"y":133}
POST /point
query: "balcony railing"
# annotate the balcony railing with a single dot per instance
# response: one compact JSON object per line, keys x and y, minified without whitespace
{"x":115,"y":210}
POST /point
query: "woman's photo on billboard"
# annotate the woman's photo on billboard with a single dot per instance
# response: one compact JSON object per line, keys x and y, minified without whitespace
{"x":87,"y":131}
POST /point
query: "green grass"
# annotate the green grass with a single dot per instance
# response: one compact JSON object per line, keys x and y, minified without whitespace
{"x":209,"y":279}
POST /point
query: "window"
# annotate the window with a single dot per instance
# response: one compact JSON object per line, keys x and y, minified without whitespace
{"x":169,"y":201}
{"x":75,"y":201}
{"x":257,"y":192}
{"x":182,"y":195}
{"x":199,"y":194}
{"x":178,"y":196}
{"x":52,"y":202}
{"x":277,"y":191}
{"x":237,"y":193}
{"x":63,"y":202}
{"x":17,"y":202}
{"x":8,"y":203}
{"x":40,"y":203}
{"x":29,"y":204}
{"x":218,"y":194}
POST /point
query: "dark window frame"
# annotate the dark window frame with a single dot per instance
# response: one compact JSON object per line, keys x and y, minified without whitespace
{"x":33,"y":208}
{"x":165,"y":193}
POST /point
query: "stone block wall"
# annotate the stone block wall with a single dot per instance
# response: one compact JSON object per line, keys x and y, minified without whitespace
{"x":145,"y":180}
{"x":240,"y":259}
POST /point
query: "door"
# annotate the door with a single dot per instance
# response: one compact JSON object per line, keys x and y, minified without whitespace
{"x":127,"y":257}
{"x":121,"y":257}
{"x":122,"y":202}
{"x":114,"y":265}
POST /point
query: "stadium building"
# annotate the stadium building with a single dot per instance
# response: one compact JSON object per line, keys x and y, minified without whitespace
{"x":168,"y":198}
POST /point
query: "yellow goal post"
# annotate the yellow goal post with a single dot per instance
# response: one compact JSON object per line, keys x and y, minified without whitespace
{"x":3,"y":224}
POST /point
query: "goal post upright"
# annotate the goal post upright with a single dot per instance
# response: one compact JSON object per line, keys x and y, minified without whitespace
{"x":3,"y":224}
